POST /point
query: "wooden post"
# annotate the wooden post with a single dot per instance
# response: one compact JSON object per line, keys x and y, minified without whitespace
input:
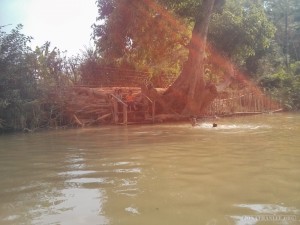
{"x":240,"y":102}
{"x":249,"y":102}
{"x":252,"y":105}
{"x":115,"y":109}
{"x":125,"y":114}
{"x":232,"y":102}
{"x":261,"y":103}
{"x":153,"y":111}
{"x":255,"y":97}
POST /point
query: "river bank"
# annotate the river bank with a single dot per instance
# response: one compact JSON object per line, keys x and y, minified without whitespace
{"x":81,"y":106}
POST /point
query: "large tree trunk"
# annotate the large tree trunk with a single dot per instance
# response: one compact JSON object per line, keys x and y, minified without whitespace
{"x":190,"y":94}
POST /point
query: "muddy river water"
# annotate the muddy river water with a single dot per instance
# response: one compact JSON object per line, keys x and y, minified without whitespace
{"x":245,"y":171}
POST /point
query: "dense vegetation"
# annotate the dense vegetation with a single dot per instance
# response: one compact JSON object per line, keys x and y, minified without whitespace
{"x":32,"y":82}
{"x":260,"y":38}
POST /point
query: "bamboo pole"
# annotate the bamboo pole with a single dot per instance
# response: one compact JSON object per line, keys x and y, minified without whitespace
{"x":103,"y":117}
{"x":78,"y":121}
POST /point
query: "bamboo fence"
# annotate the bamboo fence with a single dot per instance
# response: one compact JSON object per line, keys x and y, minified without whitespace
{"x":242,"y":102}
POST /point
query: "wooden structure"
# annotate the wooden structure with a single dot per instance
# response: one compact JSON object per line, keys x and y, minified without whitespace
{"x":93,"y":106}
{"x":125,"y":113}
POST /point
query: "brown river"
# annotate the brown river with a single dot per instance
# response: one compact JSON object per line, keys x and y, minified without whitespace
{"x":245,"y":171}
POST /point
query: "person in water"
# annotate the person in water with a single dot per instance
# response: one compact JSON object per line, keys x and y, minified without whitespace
{"x":194,"y":122}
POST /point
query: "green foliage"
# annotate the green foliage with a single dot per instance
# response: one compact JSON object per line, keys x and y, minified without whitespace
{"x":15,"y":76}
{"x":49,"y":67}
{"x":241,"y":30}
{"x":32,"y":83}
{"x":17,"y":83}
{"x":284,"y":85}
{"x":285,"y":16}
{"x":72,"y":68}
{"x":189,"y":9}
{"x":295,"y":68}
{"x":89,"y":67}
{"x":265,"y":61}
{"x":278,"y":69}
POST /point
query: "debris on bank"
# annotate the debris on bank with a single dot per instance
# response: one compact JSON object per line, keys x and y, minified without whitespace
{"x":95,"y":106}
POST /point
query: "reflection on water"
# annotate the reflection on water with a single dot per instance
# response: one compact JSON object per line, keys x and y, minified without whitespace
{"x":243,"y":172}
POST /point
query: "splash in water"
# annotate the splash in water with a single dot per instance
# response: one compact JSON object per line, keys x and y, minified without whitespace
{"x":231,"y":126}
